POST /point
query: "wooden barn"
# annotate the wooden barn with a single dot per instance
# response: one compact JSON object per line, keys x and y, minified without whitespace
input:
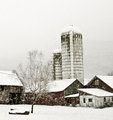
{"x":11,"y":88}
{"x":95,"y":97}
{"x":102,"y":82}
{"x":56,"y":93}
{"x":58,"y":89}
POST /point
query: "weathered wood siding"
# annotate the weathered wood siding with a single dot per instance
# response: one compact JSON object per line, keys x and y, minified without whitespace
{"x":101,"y":85}
{"x":7,"y":91}
{"x":52,"y":98}
{"x":73,"y":88}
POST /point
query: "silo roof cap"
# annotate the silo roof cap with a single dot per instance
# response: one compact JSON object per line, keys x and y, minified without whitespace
{"x":71,"y":28}
{"x":57,"y":51}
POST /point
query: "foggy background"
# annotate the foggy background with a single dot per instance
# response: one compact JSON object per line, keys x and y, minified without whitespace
{"x":37,"y":24}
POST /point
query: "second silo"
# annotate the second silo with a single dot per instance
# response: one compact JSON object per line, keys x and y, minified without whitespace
{"x":57,"y":64}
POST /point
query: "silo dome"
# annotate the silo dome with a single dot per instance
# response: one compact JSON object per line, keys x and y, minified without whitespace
{"x":57,"y":51}
{"x":71,"y":28}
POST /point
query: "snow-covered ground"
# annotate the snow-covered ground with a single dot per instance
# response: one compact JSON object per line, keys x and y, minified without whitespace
{"x":57,"y":113}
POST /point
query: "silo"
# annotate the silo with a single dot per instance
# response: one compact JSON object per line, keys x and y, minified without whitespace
{"x":57,"y":64}
{"x":72,"y":54}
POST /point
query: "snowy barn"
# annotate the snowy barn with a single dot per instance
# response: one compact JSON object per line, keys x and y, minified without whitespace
{"x":95,"y":97}
{"x":11,"y":88}
{"x":102,"y":82}
{"x":58,"y":89}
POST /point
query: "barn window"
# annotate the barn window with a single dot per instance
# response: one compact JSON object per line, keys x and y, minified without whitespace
{"x":84,"y":100}
{"x":96,"y":82}
{"x":1,"y":88}
{"x":90,"y":100}
{"x":104,"y":99}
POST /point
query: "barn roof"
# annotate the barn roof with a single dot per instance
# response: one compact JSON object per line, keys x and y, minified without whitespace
{"x":9,"y":78}
{"x":106,"y":79}
{"x":59,"y":85}
{"x":96,"y":92}
{"x":73,"y":95}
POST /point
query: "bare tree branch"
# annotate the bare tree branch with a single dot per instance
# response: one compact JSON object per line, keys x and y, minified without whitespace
{"x":34,"y":75}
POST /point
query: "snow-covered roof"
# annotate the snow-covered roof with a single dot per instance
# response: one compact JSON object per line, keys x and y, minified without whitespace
{"x":71,"y":28}
{"x":106,"y":79}
{"x":57,"y":51}
{"x":96,"y":92}
{"x":59,"y":85}
{"x":9,"y":78}
{"x":73,"y":95}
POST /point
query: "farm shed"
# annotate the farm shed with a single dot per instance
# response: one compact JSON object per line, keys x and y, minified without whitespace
{"x":94,"y":97}
{"x":11,"y":88}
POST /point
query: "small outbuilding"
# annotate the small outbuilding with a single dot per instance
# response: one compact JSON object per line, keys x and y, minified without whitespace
{"x":94,"y":97}
{"x":11,"y":88}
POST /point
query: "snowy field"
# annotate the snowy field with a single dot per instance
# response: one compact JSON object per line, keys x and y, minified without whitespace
{"x":57,"y":113}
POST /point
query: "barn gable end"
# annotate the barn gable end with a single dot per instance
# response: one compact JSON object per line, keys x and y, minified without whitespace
{"x":98,"y":82}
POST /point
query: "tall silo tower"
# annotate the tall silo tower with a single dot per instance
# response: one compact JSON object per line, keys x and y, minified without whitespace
{"x":57,"y":64}
{"x":72,"y":54}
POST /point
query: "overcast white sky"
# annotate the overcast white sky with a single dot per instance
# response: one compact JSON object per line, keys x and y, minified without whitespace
{"x":36,"y":24}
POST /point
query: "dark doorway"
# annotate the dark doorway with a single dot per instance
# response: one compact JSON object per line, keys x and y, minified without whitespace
{"x":14,"y":98}
{"x":68,"y":100}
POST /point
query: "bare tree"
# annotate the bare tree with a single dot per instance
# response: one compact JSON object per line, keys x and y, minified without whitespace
{"x":34,"y":75}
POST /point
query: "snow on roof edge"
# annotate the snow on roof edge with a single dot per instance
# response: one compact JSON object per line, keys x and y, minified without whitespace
{"x":106,"y":79}
{"x":73,"y":95}
{"x":8,"y":78}
{"x":57,"y":51}
{"x":59,"y":85}
{"x":96,"y":92}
